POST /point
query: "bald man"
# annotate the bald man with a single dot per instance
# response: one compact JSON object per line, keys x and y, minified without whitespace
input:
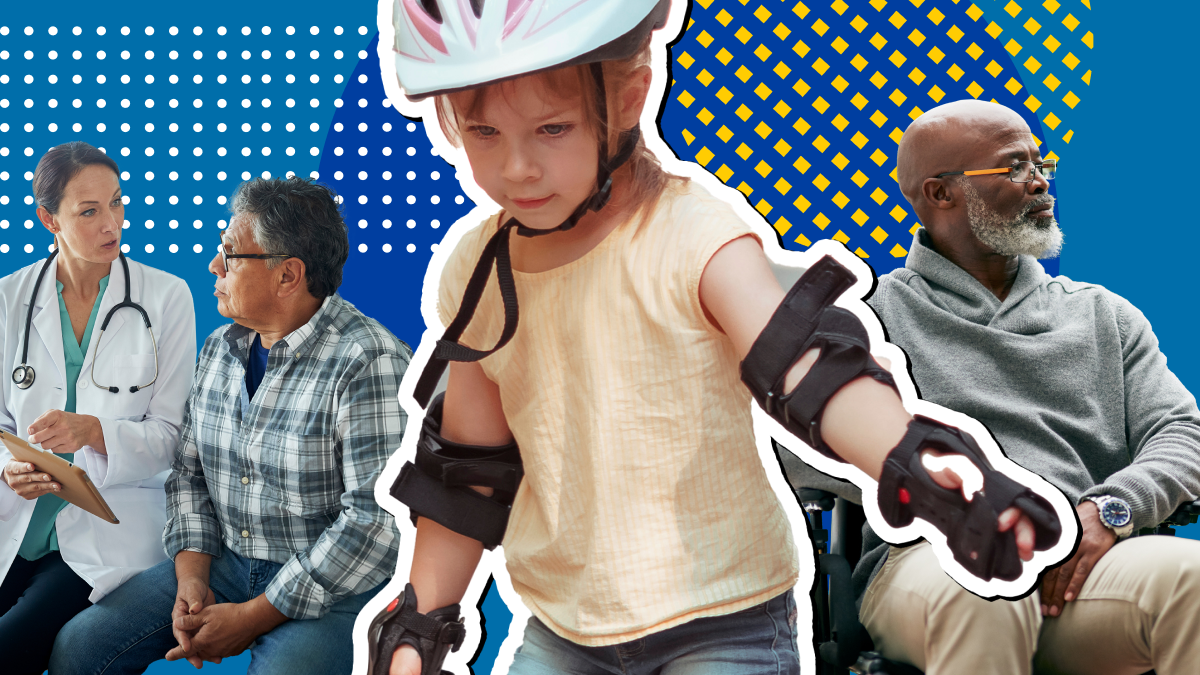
{"x":1069,"y":378}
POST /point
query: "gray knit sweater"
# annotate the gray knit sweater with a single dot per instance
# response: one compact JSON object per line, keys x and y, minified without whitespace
{"x":1067,"y":376}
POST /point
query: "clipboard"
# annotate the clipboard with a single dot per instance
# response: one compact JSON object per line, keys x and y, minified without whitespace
{"x":77,"y":488}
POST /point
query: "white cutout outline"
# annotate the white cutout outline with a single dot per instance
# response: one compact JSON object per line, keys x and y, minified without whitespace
{"x":493,"y":563}
{"x":972,"y":477}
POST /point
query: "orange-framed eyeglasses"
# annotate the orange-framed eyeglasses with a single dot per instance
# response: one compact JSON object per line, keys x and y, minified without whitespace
{"x":1021,"y":172}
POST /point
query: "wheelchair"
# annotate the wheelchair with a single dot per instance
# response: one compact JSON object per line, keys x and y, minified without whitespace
{"x":841,"y":643}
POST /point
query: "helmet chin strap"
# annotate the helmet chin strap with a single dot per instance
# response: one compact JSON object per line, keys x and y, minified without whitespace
{"x":599,"y":196}
{"x":603,"y":190}
{"x":496,"y":251}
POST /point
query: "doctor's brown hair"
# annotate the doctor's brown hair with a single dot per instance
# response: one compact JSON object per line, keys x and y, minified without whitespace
{"x":59,"y":165}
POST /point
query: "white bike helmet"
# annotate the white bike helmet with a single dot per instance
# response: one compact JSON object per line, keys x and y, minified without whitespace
{"x":447,"y":45}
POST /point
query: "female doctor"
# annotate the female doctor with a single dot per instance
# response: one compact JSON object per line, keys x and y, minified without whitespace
{"x":98,"y":387}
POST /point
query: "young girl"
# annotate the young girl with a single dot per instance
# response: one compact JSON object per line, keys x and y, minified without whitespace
{"x":644,"y":536}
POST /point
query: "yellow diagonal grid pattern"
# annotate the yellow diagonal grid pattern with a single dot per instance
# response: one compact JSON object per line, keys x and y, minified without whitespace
{"x":912,"y":54}
{"x":1052,"y":47}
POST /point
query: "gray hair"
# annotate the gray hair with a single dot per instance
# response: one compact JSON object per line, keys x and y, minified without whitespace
{"x":299,"y":218}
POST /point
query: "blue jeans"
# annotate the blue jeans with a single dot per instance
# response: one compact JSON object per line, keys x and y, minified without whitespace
{"x":131,"y":627}
{"x":756,"y":641}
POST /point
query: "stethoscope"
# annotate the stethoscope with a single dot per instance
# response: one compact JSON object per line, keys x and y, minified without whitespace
{"x":24,"y":375}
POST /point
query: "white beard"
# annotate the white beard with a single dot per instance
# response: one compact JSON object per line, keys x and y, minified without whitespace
{"x":1022,"y":235}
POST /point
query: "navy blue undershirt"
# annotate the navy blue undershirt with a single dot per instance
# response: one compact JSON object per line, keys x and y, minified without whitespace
{"x":257,"y":367}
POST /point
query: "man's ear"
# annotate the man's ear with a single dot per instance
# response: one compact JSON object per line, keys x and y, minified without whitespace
{"x":291,"y":276}
{"x":633,"y":97}
{"x":937,"y":193}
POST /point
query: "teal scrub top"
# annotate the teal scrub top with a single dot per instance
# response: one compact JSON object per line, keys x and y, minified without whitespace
{"x":41,"y":537}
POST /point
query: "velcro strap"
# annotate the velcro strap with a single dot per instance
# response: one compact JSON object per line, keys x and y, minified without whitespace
{"x":497,"y":467}
{"x":456,"y":464}
{"x":845,"y":355}
{"x":425,"y":627}
{"x":503,"y":476}
{"x":454,"y":632}
{"x":837,"y":365}
{"x":459,"y":509}
{"x":782,"y":341}
{"x":431,"y":628}
{"x":448,"y":638}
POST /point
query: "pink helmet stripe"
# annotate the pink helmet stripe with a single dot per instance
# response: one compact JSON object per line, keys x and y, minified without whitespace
{"x":469,"y":21}
{"x":512,"y":17}
{"x":425,"y":25}
{"x":536,"y":28}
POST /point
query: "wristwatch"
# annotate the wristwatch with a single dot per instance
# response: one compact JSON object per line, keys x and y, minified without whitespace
{"x":1115,"y":514}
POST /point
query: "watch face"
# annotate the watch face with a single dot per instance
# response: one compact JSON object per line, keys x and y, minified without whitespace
{"x":1116,"y":513}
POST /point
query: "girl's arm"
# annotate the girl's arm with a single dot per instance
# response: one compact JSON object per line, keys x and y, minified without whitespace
{"x":444,"y":561}
{"x":739,"y":292}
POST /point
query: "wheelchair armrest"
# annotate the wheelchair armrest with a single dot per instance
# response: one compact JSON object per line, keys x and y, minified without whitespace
{"x":1186,"y":514}
{"x":813,"y":499}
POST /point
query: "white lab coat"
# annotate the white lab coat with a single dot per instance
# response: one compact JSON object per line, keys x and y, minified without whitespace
{"x":141,"y":430}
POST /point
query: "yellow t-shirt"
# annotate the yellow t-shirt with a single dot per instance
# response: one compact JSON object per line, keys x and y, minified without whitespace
{"x":644,"y":503}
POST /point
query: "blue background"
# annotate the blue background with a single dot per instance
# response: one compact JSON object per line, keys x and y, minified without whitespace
{"x":1122,"y":230}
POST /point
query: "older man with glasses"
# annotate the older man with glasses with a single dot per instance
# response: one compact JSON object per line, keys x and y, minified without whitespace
{"x":274,"y":533}
{"x":1069,"y":378}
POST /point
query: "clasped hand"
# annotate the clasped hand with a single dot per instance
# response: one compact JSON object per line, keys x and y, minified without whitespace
{"x":210,"y":631}
{"x":188,"y":618}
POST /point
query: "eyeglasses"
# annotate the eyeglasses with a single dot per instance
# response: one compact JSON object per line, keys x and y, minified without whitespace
{"x":225,"y":255}
{"x":1021,"y":172}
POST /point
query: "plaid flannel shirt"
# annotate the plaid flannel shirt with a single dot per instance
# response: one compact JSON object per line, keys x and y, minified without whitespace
{"x":290,"y":475}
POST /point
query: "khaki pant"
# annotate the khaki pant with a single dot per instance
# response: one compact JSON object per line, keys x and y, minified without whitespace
{"x":1138,"y":610}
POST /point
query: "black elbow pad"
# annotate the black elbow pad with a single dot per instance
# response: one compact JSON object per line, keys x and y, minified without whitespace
{"x":438,"y":484}
{"x":807,"y":320}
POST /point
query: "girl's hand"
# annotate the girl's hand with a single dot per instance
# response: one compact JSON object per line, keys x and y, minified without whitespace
{"x":968,"y":479}
{"x":27,"y":481}
{"x":406,"y":661}
{"x":63,"y":432}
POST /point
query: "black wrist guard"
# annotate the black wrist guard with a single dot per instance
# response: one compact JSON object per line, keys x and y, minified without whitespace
{"x":433,"y":635}
{"x":906,"y":491}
